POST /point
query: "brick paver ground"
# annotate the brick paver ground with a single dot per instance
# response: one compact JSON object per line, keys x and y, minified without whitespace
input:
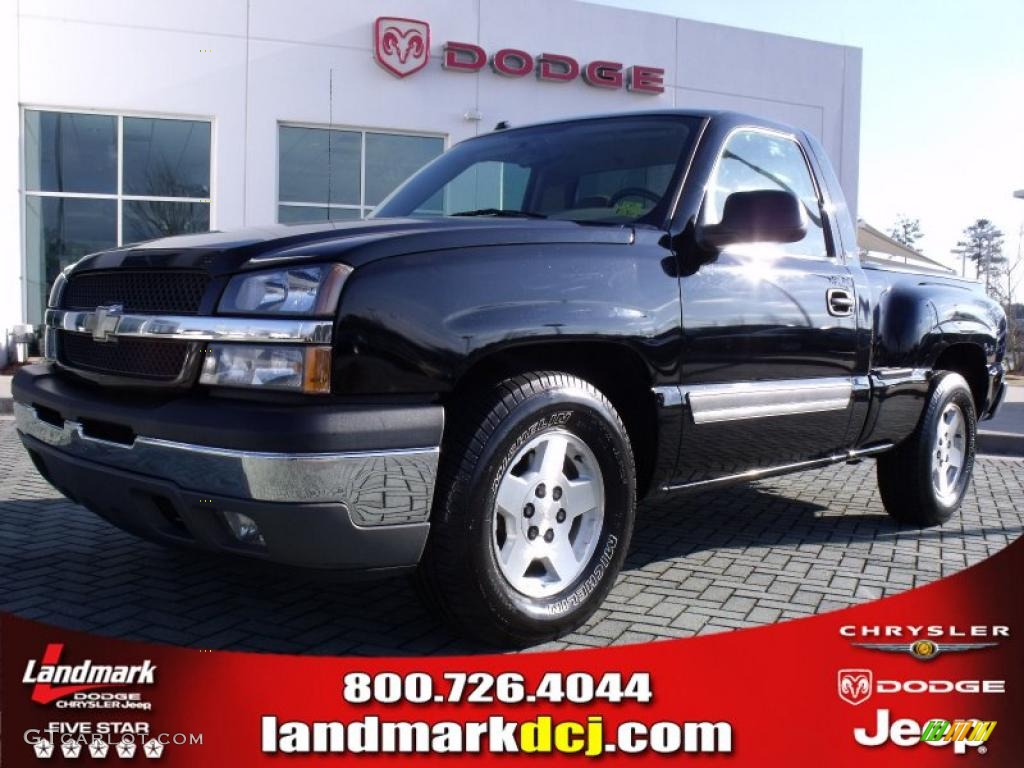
{"x":737,"y":557}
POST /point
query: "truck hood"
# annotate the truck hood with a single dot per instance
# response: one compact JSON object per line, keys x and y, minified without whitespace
{"x":354,"y":243}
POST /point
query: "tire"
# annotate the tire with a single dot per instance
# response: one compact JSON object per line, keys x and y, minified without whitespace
{"x":922,"y":482}
{"x":492,"y":576}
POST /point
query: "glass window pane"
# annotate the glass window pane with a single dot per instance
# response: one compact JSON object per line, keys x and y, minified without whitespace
{"x":68,"y":152}
{"x":391,"y":159}
{"x":344,"y":160}
{"x":479,"y":186}
{"x":300,"y":214}
{"x":344,"y":214}
{"x":307,"y":214}
{"x":514,"y":179}
{"x":149,"y":219}
{"x":316,"y":165}
{"x":626,"y":186}
{"x":489,"y":184}
{"x":58,"y":232}
{"x":166,"y":158}
{"x":754,"y":161}
{"x":540,"y":169}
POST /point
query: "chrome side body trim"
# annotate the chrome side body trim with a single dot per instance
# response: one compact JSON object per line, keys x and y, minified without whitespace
{"x":669,"y":396}
{"x":757,"y":474}
{"x":711,"y":403}
{"x":378,"y":488}
{"x":883,"y":375}
{"x":192,"y":327}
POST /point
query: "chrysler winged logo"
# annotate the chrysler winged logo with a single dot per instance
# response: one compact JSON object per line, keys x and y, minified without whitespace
{"x":855,"y":685}
{"x":401,"y":46}
{"x":105,"y":321}
{"x":923,"y":650}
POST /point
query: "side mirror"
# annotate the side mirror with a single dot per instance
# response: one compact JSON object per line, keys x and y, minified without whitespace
{"x":759,"y":216}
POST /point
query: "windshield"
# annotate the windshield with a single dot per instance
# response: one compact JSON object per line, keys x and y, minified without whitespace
{"x":616,"y":170}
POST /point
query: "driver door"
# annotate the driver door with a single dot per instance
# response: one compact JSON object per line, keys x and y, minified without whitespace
{"x":770,"y":332}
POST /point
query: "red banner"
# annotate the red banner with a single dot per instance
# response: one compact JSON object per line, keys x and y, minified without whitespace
{"x":929,"y":677}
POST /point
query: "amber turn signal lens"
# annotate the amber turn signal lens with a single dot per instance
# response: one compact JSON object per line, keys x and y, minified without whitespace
{"x":317,"y":375}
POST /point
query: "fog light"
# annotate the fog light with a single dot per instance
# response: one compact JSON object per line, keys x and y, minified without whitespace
{"x":245,"y":529}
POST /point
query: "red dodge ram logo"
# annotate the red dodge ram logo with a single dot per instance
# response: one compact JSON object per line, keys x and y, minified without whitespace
{"x":401,"y":46}
{"x":855,"y":685}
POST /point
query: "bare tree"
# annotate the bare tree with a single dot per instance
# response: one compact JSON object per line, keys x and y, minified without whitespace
{"x":147,"y":219}
{"x":906,"y":231}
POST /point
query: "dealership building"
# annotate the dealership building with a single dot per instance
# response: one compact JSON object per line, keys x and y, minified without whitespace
{"x":125,"y":120}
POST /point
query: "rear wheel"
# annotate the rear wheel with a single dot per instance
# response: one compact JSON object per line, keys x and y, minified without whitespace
{"x":923,"y":480}
{"x":534,"y":510}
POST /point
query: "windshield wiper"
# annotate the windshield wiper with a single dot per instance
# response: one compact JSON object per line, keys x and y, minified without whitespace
{"x":510,"y":212}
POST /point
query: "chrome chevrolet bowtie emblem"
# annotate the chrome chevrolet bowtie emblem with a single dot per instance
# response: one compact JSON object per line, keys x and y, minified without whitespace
{"x":105,"y":321}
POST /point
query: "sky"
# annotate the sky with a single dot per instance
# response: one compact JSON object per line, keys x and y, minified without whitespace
{"x":942,"y":103}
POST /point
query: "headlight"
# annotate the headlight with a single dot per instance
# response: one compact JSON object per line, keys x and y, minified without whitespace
{"x":306,"y":290}
{"x":57,"y":291}
{"x":270,"y":366}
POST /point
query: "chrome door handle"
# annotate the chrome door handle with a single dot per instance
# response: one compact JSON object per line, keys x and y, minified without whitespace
{"x":840,"y":302}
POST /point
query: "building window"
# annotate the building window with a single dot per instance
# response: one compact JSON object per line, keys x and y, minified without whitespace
{"x":331,"y":174}
{"x":100,"y":181}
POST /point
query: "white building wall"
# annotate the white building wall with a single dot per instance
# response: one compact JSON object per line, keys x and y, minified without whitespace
{"x":10,"y":158}
{"x":250,"y":64}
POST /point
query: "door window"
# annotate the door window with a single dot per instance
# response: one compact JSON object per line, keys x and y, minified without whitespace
{"x":754,"y":160}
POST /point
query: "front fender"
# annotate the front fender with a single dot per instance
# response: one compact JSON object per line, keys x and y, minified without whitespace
{"x":417,"y":323}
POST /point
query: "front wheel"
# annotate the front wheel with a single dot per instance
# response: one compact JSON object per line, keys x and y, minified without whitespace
{"x":923,"y":480}
{"x":534,"y":510}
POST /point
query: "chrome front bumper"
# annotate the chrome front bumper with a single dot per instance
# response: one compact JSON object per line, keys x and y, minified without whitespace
{"x":378,"y":488}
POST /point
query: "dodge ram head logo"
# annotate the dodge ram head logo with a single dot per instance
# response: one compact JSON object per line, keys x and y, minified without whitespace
{"x":401,"y":46}
{"x":855,"y":685}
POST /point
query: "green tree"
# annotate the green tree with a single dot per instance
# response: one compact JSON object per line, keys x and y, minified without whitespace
{"x":906,"y":231}
{"x":982,"y":243}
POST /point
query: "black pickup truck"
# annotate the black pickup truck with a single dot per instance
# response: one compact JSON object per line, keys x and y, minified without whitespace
{"x":542,"y":326}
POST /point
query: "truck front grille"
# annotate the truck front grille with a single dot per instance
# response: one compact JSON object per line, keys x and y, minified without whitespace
{"x":167,"y":291}
{"x":159,"y":360}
